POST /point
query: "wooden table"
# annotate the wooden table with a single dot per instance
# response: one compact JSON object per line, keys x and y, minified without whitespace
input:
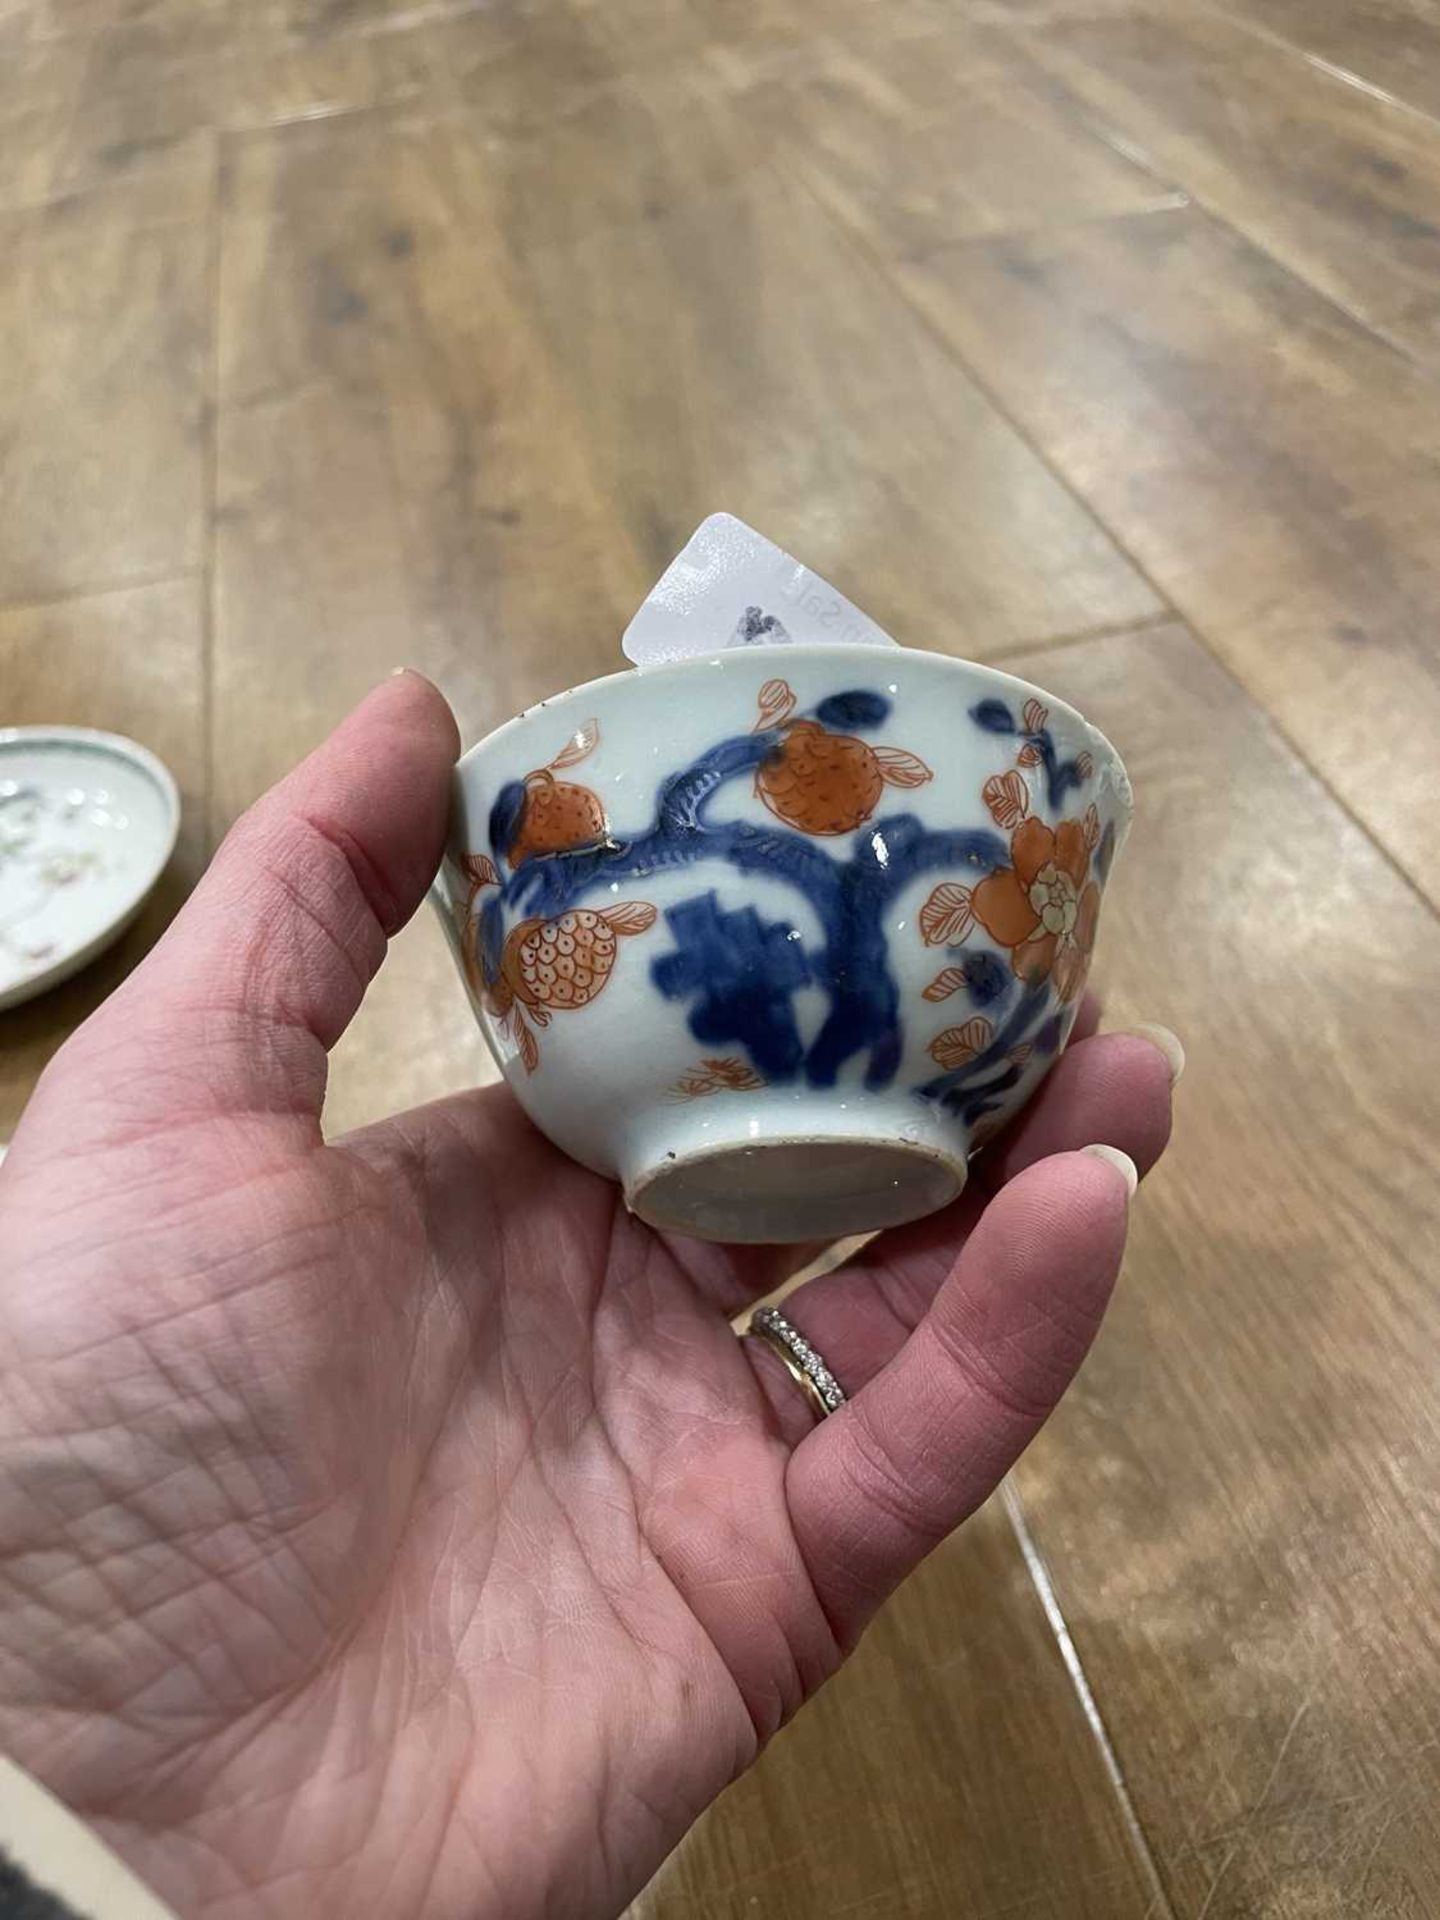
{"x":1100,"y":338}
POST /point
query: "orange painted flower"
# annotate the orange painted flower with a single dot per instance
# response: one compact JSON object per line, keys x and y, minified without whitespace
{"x":1045,"y":906}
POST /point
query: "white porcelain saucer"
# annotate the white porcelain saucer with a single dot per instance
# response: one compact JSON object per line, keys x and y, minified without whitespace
{"x":87,"y":822}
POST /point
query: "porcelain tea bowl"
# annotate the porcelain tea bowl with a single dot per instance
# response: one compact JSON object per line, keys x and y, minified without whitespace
{"x":778,"y":938}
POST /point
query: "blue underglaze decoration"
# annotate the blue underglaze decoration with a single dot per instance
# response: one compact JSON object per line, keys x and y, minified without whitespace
{"x":987,"y":979}
{"x":994,"y":716}
{"x":1047,"y":1040}
{"x":1060,"y":775}
{"x":738,"y":973}
{"x":492,"y":937}
{"x":505,"y":817}
{"x":846,"y":712}
{"x":741,"y":972}
{"x":849,"y":898}
{"x":975,"y":1089}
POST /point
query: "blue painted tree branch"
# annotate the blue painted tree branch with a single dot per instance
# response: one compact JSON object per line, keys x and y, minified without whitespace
{"x":967,"y":1090}
{"x":848,"y":898}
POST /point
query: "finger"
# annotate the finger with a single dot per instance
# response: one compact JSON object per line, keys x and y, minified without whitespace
{"x":266,"y":965}
{"x":734,"y":1276}
{"x":879,"y":1484}
{"x":1087,"y":1018}
{"x":1114,"y":1088}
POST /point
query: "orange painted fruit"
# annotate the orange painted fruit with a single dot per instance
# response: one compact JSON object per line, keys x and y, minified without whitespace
{"x":558,"y":815}
{"x":819,"y":781}
{"x":561,"y":964}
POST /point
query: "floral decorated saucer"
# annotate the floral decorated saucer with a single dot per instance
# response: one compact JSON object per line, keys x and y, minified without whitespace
{"x":87,"y":823}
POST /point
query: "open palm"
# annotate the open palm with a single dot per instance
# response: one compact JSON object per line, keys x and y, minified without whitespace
{"x":395,"y":1526}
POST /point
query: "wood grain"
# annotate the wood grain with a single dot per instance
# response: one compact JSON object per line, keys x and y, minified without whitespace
{"x":80,"y":19}
{"x":751,"y":31}
{"x":35,"y":109}
{"x":383,"y":396}
{"x":122,"y":103}
{"x":1271,"y":465}
{"x":1239,"y":1500}
{"x":572,"y":339}
{"x":406,"y":372}
{"x":309,"y":19}
{"x":947,"y":1770}
{"x":109,"y":108}
{"x":1341,"y":185}
{"x":739,"y":351}
{"x":341,"y":333}
{"x":626,"y":158}
{"x":917,"y":143}
{"x":104,"y":347}
{"x":129,"y":662}
{"x":1390,"y":44}
{"x":16,"y":24}
{"x":64,"y":133}
{"x":518,"y":72}
{"x":383,"y":393}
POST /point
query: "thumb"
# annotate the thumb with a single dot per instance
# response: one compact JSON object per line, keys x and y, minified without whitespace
{"x":266,"y":965}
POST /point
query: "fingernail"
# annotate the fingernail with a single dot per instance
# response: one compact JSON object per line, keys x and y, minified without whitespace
{"x":395,"y":672}
{"x":1163,"y":1041}
{"x":1121,"y":1162}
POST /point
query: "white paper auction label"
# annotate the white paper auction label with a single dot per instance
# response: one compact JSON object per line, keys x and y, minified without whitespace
{"x":731,"y":587}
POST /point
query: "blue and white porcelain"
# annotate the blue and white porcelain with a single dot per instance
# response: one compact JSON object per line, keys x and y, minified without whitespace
{"x":776,"y":938}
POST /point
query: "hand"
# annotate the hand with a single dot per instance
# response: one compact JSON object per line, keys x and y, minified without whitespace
{"x":396,"y":1526}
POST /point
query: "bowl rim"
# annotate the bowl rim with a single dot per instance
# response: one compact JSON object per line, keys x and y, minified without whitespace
{"x":840,"y":650}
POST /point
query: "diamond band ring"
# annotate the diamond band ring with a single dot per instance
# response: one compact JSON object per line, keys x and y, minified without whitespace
{"x":799,"y":1358}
